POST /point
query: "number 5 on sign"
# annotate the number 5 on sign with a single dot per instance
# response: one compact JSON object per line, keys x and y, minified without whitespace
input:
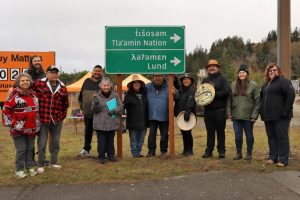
{"x":14,"y":73}
{"x":3,"y":74}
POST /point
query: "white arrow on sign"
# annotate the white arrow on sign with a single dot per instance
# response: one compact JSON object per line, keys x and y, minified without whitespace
{"x":175,"y":38}
{"x":176,"y":61}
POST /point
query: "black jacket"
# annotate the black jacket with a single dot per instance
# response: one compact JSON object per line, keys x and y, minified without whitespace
{"x":136,"y":110}
{"x":185,"y":101}
{"x":222,"y":90}
{"x":89,"y":87}
{"x":277,"y":98}
{"x":35,"y":76}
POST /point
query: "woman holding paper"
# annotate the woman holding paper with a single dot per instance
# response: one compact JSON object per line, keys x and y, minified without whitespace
{"x":136,"y":105}
{"x":107,"y":107}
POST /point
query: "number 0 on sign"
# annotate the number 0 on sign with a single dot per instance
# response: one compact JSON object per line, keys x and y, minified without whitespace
{"x":3,"y":74}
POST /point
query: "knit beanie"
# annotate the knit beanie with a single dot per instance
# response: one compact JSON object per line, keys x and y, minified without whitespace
{"x":244,"y":68}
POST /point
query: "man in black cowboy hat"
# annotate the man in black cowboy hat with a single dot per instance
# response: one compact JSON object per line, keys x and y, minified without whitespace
{"x":215,"y":112}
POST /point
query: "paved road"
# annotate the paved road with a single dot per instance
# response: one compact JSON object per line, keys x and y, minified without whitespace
{"x":214,"y":185}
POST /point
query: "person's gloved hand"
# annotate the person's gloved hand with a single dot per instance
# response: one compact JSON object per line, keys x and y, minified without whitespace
{"x":111,"y":112}
{"x":186,"y":116}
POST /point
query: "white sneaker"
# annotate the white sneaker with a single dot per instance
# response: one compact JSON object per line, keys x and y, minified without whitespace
{"x":21,"y":174}
{"x":32,"y":172}
{"x":56,"y":166}
{"x":83,"y":152}
{"x":40,"y":170}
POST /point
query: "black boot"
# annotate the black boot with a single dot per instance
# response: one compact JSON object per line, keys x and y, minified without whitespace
{"x":189,"y":144}
{"x":248,"y":156}
{"x":207,"y":155}
{"x":238,"y":156}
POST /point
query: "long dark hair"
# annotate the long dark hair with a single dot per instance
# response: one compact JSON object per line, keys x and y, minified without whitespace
{"x":31,"y":68}
{"x":241,"y":87}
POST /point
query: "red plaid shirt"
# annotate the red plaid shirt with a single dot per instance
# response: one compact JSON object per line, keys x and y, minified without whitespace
{"x":53,"y":106}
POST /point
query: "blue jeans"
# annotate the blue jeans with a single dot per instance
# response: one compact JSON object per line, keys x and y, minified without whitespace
{"x":88,"y":133}
{"x":278,"y":139}
{"x":106,"y":144}
{"x":164,"y":137}
{"x":239,"y":126}
{"x":137,"y":137}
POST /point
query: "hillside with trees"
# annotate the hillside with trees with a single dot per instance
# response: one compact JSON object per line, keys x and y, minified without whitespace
{"x":230,"y":53}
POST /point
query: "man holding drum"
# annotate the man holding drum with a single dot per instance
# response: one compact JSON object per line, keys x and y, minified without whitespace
{"x":215,"y":112}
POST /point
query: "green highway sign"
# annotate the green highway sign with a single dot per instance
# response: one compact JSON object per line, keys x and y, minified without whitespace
{"x":145,"y":50}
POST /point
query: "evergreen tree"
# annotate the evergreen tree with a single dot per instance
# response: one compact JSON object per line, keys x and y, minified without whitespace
{"x":195,"y":60}
{"x":249,"y":49}
{"x":69,"y":78}
{"x":295,"y":36}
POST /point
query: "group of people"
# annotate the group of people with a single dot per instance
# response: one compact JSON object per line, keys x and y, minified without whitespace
{"x":242,"y":102}
{"x":36,"y":106}
{"x":146,"y":106}
{"x":38,"y":103}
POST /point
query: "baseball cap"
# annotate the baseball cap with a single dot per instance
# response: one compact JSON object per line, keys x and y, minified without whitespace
{"x":51,"y":68}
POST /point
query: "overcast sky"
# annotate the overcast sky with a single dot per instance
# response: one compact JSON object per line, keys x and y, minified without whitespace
{"x":75,"y":29}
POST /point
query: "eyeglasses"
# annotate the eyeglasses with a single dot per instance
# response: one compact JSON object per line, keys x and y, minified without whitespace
{"x":273,"y":70}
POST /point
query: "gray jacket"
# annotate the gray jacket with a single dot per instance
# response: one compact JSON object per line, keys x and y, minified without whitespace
{"x":102,"y":120}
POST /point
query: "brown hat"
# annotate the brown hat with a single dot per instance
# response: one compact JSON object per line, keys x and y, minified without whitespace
{"x":212,"y":62}
{"x":135,"y":77}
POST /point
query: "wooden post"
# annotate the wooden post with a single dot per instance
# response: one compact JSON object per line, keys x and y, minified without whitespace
{"x":284,"y":37}
{"x":171,"y":115}
{"x":284,"y":40}
{"x":120,"y":130}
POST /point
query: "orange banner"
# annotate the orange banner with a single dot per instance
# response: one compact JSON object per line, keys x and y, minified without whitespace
{"x":12,"y":63}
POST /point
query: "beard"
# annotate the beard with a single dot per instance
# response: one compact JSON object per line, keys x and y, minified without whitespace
{"x":37,"y":66}
{"x":96,"y":77}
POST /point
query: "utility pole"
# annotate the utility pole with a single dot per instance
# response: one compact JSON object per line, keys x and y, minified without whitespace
{"x":284,"y":37}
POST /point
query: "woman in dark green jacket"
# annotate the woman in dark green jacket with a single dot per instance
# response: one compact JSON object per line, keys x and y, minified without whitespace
{"x":243,"y":109}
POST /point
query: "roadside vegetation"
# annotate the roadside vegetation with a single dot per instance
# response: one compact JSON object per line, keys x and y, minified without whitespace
{"x":78,"y":170}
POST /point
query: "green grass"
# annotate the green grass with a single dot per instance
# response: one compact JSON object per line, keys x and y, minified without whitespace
{"x":86,"y":170}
